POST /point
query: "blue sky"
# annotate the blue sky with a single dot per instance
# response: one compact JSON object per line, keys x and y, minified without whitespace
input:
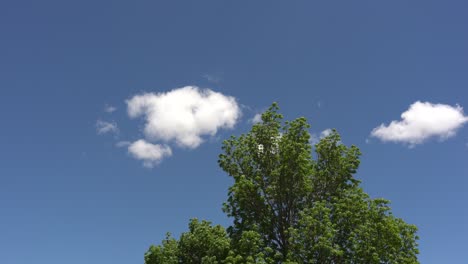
{"x":69,"y":194}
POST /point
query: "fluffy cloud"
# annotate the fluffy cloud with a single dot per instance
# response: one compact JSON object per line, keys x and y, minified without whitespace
{"x":103,"y":127}
{"x":421,"y":121}
{"x":184,"y":115}
{"x":150,"y":154}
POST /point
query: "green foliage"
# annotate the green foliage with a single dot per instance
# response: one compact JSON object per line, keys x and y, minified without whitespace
{"x":203,"y":243}
{"x":288,"y":207}
{"x":271,"y":185}
{"x":167,"y":252}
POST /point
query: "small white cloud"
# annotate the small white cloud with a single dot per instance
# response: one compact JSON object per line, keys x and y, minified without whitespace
{"x":150,"y":154}
{"x":103,"y":127}
{"x":314,"y":138}
{"x":184,"y":115}
{"x":110,"y":109}
{"x":256,"y":119}
{"x":326,"y":133}
{"x":422,"y":121}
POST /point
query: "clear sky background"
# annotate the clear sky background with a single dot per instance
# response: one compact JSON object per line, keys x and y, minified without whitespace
{"x":72,"y":190}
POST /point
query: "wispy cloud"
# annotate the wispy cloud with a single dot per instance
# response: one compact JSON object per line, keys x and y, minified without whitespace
{"x":110,"y":109}
{"x":184,"y":115}
{"x":213,"y":77}
{"x":104,"y":127}
{"x":422,"y":120}
{"x":150,"y":154}
{"x":122,"y":144}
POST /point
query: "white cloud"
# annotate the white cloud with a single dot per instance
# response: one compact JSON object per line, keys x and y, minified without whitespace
{"x":184,"y":115}
{"x":103,"y":127}
{"x":110,"y":109}
{"x":150,"y":154}
{"x":314,"y":138}
{"x":256,"y":119}
{"x":422,"y":121}
{"x":326,"y":133}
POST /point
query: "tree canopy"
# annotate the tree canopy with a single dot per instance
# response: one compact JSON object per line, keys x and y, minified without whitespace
{"x":291,"y":203}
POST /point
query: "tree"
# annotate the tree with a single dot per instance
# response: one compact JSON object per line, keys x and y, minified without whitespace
{"x":289,"y":206}
{"x":203,"y":243}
